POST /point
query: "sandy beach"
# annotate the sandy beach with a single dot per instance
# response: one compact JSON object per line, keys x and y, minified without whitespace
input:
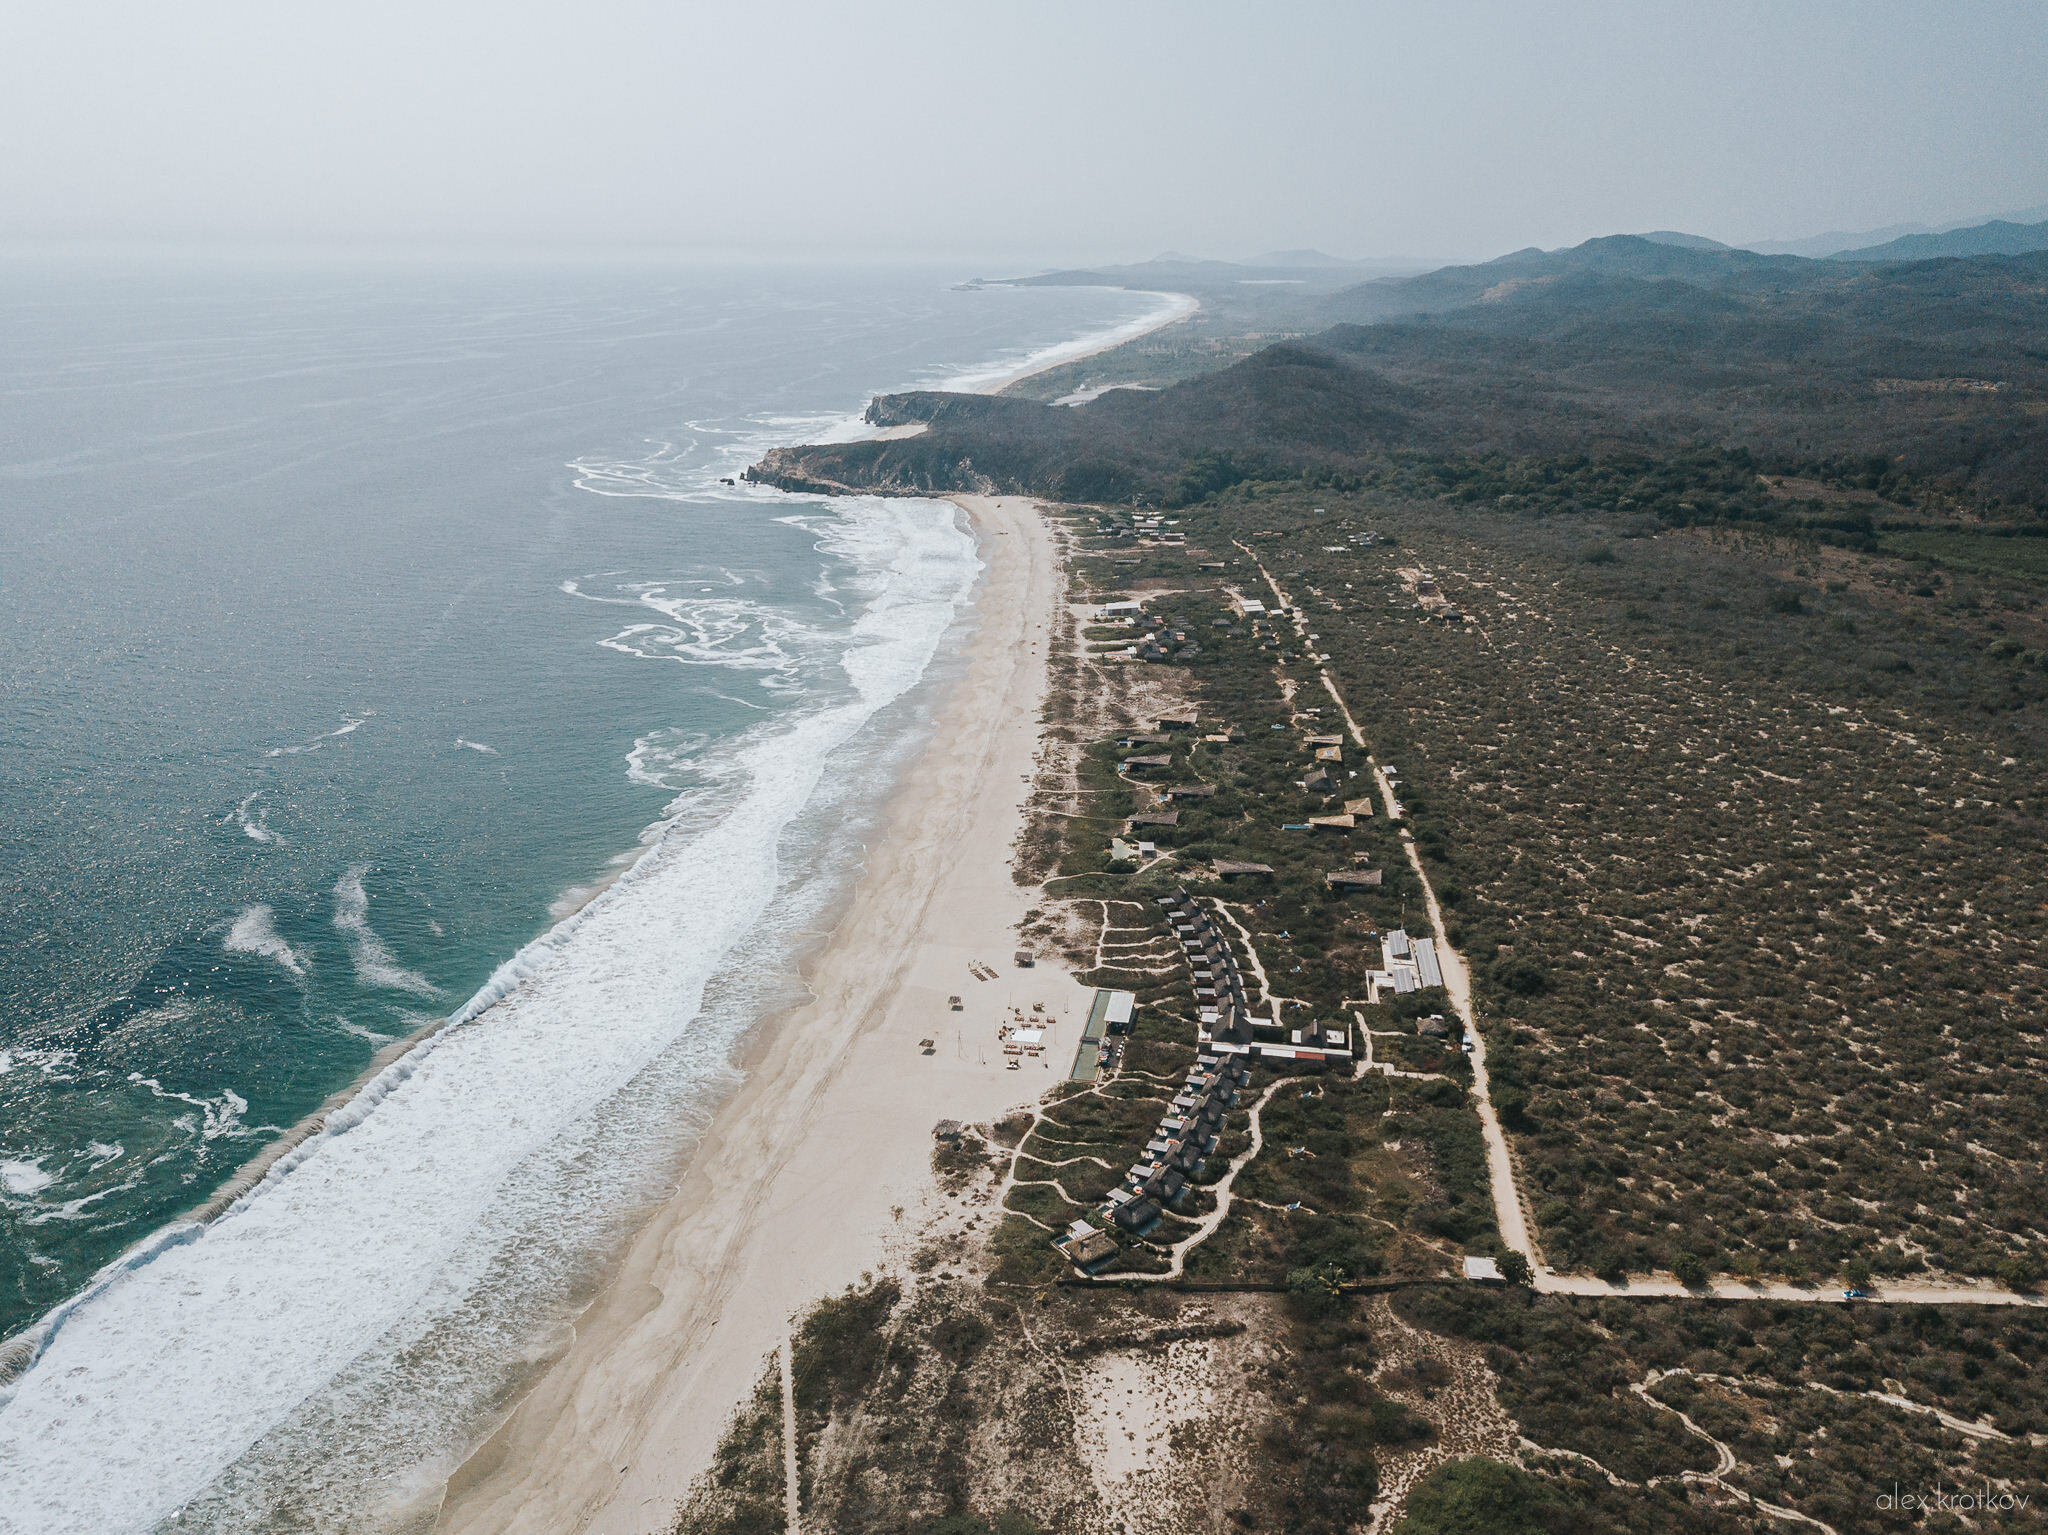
{"x":823,"y":1155}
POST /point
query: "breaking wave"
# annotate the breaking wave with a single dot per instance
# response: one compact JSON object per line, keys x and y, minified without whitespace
{"x":194,"y":1346}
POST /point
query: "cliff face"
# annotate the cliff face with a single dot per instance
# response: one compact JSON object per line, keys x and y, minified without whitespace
{"x":931,"y":407}
{"x":977,"y":443}
{"x":1293,"y":404}
{"x":872,"y":469}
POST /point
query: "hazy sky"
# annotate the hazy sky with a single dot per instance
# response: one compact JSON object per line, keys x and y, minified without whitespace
{"x":1100,"y":130}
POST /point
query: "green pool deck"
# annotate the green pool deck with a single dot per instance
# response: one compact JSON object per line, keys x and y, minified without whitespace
{"x":1088,"y":1056}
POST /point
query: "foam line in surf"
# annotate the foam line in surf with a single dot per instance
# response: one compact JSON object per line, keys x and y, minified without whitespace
{"x":255,"y":932}
{"x":374,"y":962}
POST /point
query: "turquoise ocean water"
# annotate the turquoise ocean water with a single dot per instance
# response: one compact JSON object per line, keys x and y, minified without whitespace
{"x":380,"y":645}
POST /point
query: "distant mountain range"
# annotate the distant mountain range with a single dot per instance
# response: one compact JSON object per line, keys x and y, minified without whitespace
{"x":2008,"y":234}
{"x":1997,"y":238}
{"x":1626,"y":344}
{"x":1523,"y":275}
{"x":1836,"y":241}
{"x":1902,"y":242}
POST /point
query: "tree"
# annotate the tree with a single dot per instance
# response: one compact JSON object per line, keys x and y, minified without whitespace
{"x":1857,"y":1272}
{"x":1478,"y":1497}
{"x":1512,"y":1105}
{"x":1514,"y":1267}
{"x":2020,"y":1274}
{"x":1315,"y":1291}
{"x":1689,"y":1270}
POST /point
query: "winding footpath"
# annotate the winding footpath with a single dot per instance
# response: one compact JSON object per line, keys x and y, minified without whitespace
{"x":1510,"y":1205}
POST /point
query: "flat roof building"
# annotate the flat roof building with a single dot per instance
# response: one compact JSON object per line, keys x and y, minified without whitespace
{"x":1427,"y":971}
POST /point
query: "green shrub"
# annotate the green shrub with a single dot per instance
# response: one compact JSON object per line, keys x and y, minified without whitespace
{"x":1477,"y":1496}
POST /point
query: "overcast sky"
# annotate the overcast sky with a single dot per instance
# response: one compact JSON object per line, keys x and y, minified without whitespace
{"x":1050,"y":130}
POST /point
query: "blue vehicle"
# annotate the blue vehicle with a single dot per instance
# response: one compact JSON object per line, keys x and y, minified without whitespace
{"x":1855,"y":1295}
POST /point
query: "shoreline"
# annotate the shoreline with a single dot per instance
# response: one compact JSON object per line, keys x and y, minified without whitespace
{"x":551,"y":1421}
{"x":821,"y":1158}
{"x":1179,"y":307}
{"x":20,"y":1348}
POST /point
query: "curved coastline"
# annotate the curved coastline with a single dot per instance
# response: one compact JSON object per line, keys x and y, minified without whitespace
{"x":20,"y":1350}
{"x":619,"y":1422}
{"x":397,"y":1062}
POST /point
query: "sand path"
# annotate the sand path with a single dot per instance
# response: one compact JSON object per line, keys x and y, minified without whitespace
{"x":797,"y":1187}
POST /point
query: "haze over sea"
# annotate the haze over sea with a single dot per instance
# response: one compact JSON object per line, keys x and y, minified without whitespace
{"x":361,"y":624}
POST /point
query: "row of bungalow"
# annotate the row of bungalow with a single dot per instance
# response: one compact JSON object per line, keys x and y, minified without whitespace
{"x":1230,"y":1038}
{"x":1225,"y":1022}
{"x":1184,"y":1138}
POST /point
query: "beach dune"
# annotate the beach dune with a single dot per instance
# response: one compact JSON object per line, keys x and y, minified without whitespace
{"x":822,"y":1157}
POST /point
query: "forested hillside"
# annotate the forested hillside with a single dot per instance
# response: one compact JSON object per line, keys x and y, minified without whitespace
{"x":1925,"y":382}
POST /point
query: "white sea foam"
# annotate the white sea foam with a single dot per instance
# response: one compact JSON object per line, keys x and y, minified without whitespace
{"x":350,"y":724}
{"x":255,"y":932}
{"x":706,"y":628}
{"x":668,"y":759}
{"x":183,"y":1353}
{"x":24,"y":1176}
{"x":219,"y":1116}
{"x":257,"y":828}
{"x":476,"y":746}
{"x":80,"y":1208}
{"x":375,"y":964}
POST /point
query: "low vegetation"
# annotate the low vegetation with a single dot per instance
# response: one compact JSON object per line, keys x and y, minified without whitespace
{"x":1711,"y":679}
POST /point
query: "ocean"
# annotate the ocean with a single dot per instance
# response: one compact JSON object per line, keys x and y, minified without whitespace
{"x":384,"y":657}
